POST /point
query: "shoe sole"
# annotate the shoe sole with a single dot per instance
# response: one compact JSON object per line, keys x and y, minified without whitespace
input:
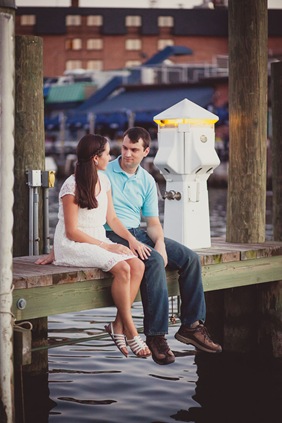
{"x":162,"y":362}
{"x":194,"y":343}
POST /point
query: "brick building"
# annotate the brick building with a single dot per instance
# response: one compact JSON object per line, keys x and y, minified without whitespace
{"x":104,"y":38}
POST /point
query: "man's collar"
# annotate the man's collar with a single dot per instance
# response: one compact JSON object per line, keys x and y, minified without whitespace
{"x":117,"y":167}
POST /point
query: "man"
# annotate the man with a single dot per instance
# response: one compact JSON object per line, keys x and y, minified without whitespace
{"x":134,"y":193}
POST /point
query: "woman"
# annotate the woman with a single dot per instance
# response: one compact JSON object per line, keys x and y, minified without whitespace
{"x":85,"y":205}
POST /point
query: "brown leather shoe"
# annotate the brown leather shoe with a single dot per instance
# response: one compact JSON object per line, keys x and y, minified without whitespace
{"x":161,"y":353}
{"x":199,"y":337}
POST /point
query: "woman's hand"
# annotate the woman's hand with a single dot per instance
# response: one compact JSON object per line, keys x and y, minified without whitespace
{"x":116,"y":248}
{"x":46,"y":259}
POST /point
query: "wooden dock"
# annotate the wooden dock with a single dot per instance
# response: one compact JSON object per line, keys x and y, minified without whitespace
{"x":45,"y":290}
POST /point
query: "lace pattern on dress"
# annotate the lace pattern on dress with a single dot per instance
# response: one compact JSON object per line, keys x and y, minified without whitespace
{"x":68,"y":187}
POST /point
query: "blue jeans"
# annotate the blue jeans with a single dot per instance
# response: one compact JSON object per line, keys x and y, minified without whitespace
{"x":154,"y":287}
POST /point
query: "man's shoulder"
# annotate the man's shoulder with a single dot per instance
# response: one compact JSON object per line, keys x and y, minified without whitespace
{"x":113,"y":164}
{"x":145,"y":174}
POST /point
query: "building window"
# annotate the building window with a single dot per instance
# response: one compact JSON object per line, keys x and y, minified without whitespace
{"x":94,"y":65}
{"x":94,"y":44}
{"x":73,"y":20}
{"x":132,"y":63}
{"x":133,"y":44}
{"x":74,"y":44}
{"x":28,"y":20}
{"x":164,"y":43}
{"x":73,"y":64}
{"x":165,"y":21}
{"x":94,"y":20}
{"x":133,"y":21}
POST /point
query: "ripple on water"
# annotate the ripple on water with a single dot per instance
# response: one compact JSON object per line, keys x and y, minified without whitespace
{"x":93,"y":382}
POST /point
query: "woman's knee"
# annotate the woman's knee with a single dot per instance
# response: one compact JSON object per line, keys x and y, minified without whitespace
{"x":122,"y":270}
{"x":137,"y":266}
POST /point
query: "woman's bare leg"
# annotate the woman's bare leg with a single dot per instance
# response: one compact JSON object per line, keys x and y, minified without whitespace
{"x":122,"y":298}
{"x":126,"y":282}
{"x":137,"y":268}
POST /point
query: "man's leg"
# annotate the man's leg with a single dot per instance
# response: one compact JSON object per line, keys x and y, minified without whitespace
{"x":193,"y":306}
{"x":186,"y":261}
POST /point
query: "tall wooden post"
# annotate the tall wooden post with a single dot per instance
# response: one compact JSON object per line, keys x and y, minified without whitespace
{"x":29,"y":134}
{"x":270,"y":295}
{"x":29,"y":155}
{"x":246,"y":202}
{"x":276,"y":148}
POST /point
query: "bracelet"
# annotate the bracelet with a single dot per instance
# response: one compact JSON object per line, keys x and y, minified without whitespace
{"x":101,"y":243}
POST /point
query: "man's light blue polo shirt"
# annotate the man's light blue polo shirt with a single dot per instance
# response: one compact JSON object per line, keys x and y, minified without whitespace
{"x":132,"y":196}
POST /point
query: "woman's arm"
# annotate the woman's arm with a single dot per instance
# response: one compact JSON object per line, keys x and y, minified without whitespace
{"x":75,"y":234}
{"x":71,"y":220}
{"x":115,"y":224}
{"x":70,"y":217}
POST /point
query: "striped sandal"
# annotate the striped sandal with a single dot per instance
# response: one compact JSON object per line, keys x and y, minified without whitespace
{"x":136,"y":345}
{"x":118,"y":338}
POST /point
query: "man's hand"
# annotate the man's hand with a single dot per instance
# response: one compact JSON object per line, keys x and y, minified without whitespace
{"x":140,"y":249}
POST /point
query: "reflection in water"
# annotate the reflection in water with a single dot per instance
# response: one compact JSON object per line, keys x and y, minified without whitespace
{"x":92,"y":402}
{"x":235,"y":390}
{"x":227,"y":389}
{"x":32,"y":400}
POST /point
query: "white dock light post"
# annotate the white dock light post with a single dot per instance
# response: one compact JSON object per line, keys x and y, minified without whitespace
{"x":186,"y":157}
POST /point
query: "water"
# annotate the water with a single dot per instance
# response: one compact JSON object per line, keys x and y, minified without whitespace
{"x":90,"y":381}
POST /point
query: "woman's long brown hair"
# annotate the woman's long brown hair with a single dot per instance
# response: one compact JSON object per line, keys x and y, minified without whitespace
{"x":86,"y":175}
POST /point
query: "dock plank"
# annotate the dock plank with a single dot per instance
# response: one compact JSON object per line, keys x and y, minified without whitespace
{"x":242,"y":273}
{"x":50,"y":289}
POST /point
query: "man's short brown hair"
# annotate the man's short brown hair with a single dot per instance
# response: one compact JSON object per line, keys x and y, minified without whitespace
{"x":135,"y":133}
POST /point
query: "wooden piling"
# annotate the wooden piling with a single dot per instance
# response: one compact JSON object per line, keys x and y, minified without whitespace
{"x":246,"y":315}
{"x":240,"y":320}
{"x":270,"y":318}
{"x":276,"y":148}
{"x":29,"y":155}
{"x":29,"y":134}
{"x":270,"y":296}
{"x":246,"y":203}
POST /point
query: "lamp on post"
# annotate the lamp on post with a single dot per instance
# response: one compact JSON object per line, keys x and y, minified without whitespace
{"x":186,"y":157}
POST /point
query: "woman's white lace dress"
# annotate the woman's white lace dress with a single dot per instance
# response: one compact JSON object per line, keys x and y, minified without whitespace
{"x":71,"y":253}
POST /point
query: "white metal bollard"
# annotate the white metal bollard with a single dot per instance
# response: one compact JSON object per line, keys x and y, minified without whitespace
{"x":186,"y":158}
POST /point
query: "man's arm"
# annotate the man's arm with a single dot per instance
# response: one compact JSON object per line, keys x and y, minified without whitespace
{"x":155,"y":232}
{"x":138,"y":248}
